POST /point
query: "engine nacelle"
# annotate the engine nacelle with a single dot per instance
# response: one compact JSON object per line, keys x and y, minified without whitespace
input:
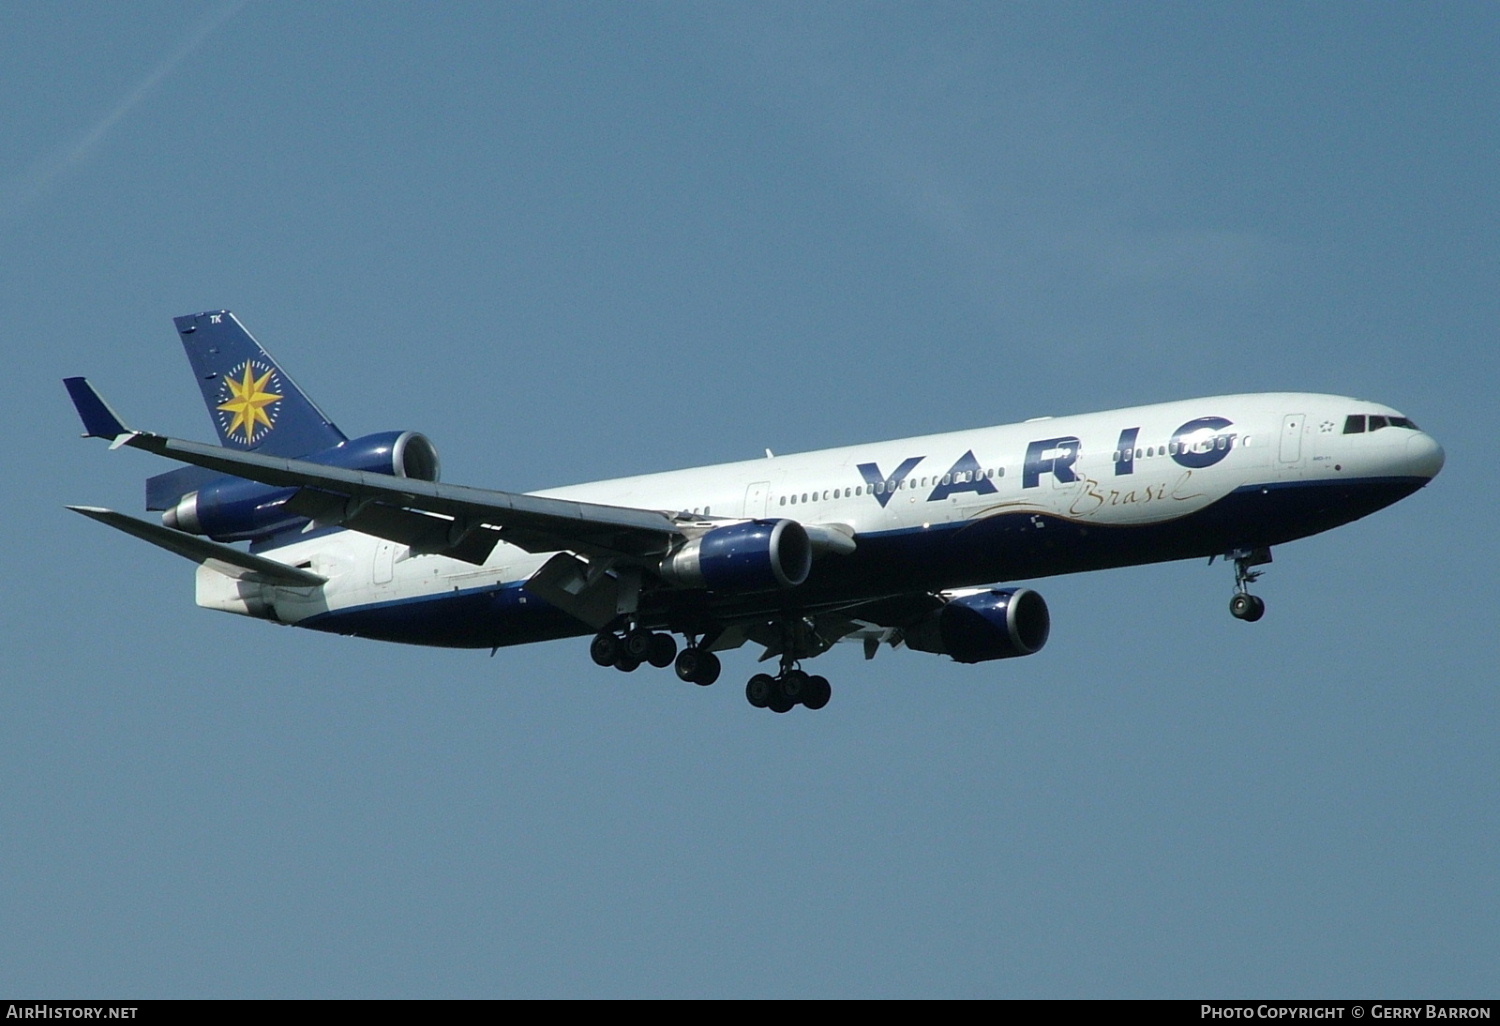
{"x":998,"y":623}
{"x":233,"y":509}
{"x":760,"y":555}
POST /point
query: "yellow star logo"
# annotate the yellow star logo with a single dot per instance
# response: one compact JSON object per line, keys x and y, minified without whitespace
{"x":248,"y":403}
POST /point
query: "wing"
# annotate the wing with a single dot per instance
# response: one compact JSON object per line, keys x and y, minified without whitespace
{"x":431,"y":517}
{"x":870,"y":622}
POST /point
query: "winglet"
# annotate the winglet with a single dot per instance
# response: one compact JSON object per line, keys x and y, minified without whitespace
{"x":99,"y":420}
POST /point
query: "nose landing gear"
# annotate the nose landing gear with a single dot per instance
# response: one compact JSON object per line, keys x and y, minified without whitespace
{"x":1245,"y":606}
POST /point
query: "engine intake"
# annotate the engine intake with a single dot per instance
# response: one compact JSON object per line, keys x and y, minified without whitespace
{"x":998,"y":623}
{"x":760,"y":555}
{"x":233,"y":509}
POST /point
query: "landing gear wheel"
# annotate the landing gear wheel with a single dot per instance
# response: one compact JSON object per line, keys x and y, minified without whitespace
{"x":709,"y":672}
{"x":758,"y":692}
{"x":779,"y":702}
{"x":606,"y":648}
{"x":638,"y":644}
{"x":817,"y":693}
{"x":793,"y":685}
{"x":663,"y":651}
{"x":1239,"y":606}
{"x":696,"y":666}
{"x":627,"y":664}
{"x":1247,"y":607}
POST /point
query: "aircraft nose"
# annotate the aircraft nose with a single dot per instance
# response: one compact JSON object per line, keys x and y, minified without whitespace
{"x":1423,"y":455}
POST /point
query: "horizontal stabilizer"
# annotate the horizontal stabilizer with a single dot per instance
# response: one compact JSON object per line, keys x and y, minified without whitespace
{"x":230,"y":562}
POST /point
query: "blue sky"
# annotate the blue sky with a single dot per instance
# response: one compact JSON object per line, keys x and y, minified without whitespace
{"x":575,"y":241}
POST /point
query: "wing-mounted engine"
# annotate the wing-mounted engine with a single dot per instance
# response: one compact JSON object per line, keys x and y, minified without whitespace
{"x":996,"y":623}
{"x":758,"y":555}
{"x":234,"y":509}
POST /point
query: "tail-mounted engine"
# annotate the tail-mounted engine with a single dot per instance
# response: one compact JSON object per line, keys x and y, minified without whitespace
{"x":233,"y":509}
{"x":760,"y":555}
{"x":997,"y":623}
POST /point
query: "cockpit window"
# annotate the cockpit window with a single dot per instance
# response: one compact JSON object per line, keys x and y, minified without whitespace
{"x":1354,"y":424}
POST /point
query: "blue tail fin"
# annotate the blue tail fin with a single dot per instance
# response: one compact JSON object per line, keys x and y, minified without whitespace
{"x":254,"y":405}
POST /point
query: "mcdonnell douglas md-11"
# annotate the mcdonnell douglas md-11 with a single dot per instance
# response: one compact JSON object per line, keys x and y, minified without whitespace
{"x":914,"y":543}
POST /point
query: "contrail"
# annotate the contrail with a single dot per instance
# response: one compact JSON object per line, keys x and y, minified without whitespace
{"x":23,"y":190}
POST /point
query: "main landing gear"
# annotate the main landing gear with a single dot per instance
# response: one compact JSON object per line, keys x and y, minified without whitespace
{"x":1245,"y":606}
{"x":788,"y":688}
{"x":629,"y":650}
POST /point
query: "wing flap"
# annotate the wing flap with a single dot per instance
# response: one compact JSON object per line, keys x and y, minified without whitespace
{"x":423,"y":533}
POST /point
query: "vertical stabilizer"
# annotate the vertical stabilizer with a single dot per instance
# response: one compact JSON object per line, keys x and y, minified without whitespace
{"x":253,"y":403}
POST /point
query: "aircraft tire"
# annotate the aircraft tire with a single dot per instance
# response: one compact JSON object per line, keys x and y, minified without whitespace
{"x":638,"y":644}
{"x":690,"y":664}
{"x":606,"y":648}
{"x":793,"y":685}
{"x":663,"y":651}
{"x":627,"y":664}
{"x":1247,"y":607}
{"x":759,"y":690}
{"x":708,"y":669}
{"x":818,"y":692}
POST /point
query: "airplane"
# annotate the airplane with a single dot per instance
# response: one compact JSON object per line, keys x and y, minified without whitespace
{"x":914,"y":543}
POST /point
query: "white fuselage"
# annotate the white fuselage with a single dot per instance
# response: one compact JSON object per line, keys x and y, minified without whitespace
{"x":1124,"y":468}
